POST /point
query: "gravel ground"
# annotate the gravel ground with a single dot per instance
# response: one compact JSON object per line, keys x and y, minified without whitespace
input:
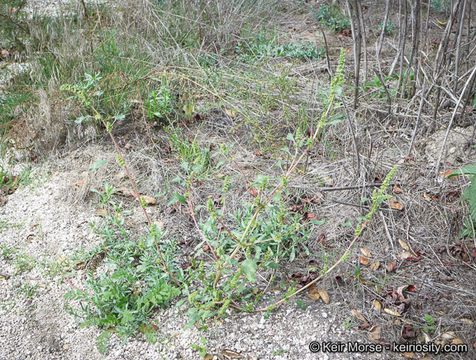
{"x":43,"y":226}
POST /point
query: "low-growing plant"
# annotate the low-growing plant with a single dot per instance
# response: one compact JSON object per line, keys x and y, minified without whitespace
{"x":13,"y":29}
{"x":388,"y":28}
{"x":378,"y":88}
{"x":194,"y":158}
{"x":469,"y":225}
{"x":122,"y":298}
{"x":331,"y":17}
{"x":440,"y":5}
{"x":159,"y":102}
{"x":262,"y":47}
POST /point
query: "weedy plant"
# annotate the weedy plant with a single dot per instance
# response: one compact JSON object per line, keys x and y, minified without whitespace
{"x":237,"y":261}
{"x":262,"y":48}
{"x":469,"y":226}
{"x":122,"y":298}
{"x":332,"y":18}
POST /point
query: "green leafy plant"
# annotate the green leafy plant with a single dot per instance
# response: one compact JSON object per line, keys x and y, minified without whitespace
{"x":261,"y":47}
{"x":378,"y":88}
{"x":332,"y":18}
{"x":440,"y":5}
{"x":159,"y":102}
{"x":122,"y":298}
{"x":430,"y":327}
{"x":469,"y":228}
{"x":388,"y":28}
{"x":13,"y":27}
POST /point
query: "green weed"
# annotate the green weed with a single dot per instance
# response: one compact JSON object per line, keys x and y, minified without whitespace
{"x":262,"y":48}
{"x":440,"y":5}
{"x":469,"y":225}
{"x":122,"y":298}
{"x":332,"y":18}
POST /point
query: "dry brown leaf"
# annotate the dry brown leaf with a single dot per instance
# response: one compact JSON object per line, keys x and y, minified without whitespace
{"x":394,"y":204}
{"x":391,"y":266}
{"x":457,"y":341}
{"x":313,"y":293}
{"x":357,"y":315}
{"x":403,"y":244}
{"x":377,"y":305}
{"x":149,"y":200}
{"x":230,"y":354}
{"x":100,"y":212}
{"x":364,"y":261}
{"x":230,"y":113}
{"x":467,"y":321}
{"x":324,"y":296}
{"x":409,"y":355}
{"x":78,"y":183}
{"x":448,"y":335}
{"x":391,"y":312}
{"x":253,"y":191}
{"x":405,"y":255}
{"x":209,"y":357}
{"x":374,"y":266}
{"x":160,"y":225}
{"x":375,"y":333}
{"x":397,"y":189}
{"x":365,"y":252}
{"x":447,"y":174}
{"x":427,"y":197}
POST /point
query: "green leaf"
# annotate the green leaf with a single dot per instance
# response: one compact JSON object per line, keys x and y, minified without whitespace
{"x":465,"y":170}
{"x":249,"y":268}
{"x":102,"y":341}
{"x":97,"y":165}
{"x":301,"y":304}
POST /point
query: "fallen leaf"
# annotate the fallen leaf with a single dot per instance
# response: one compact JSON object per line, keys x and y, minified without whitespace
{"x":403,"y":244}
{"x":311,"y":216}
{"x":391,"y":312}
{"x":78,"y":183}
{"x":467,"y":321}
{"x":408,"y":332}
{"x":313,"y":293}
{"x":374,"y":266}
{"x":365,"y":252}
{"x":457,"y":341}
{"x":397,"y":189}
{"x":101,"y":212}
{"x":364,"y":261}
{"x":358,"y":315}
{"x":377,"y":305}
{"x":324,"y":296}
{"x":448,"y":335}
{"x":427,"y":197}
{"x":375,"y":333}
{"x":394,"y":204}
{"x":364,"y":326}
{"x":408,"y":355}
{"x":149,"y":200}
{"x":405,"y":255}
{"x":253,"y":191}
{"x":230,"y":354}
{"x":391,"y":266}
{"x":230,"y":113}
